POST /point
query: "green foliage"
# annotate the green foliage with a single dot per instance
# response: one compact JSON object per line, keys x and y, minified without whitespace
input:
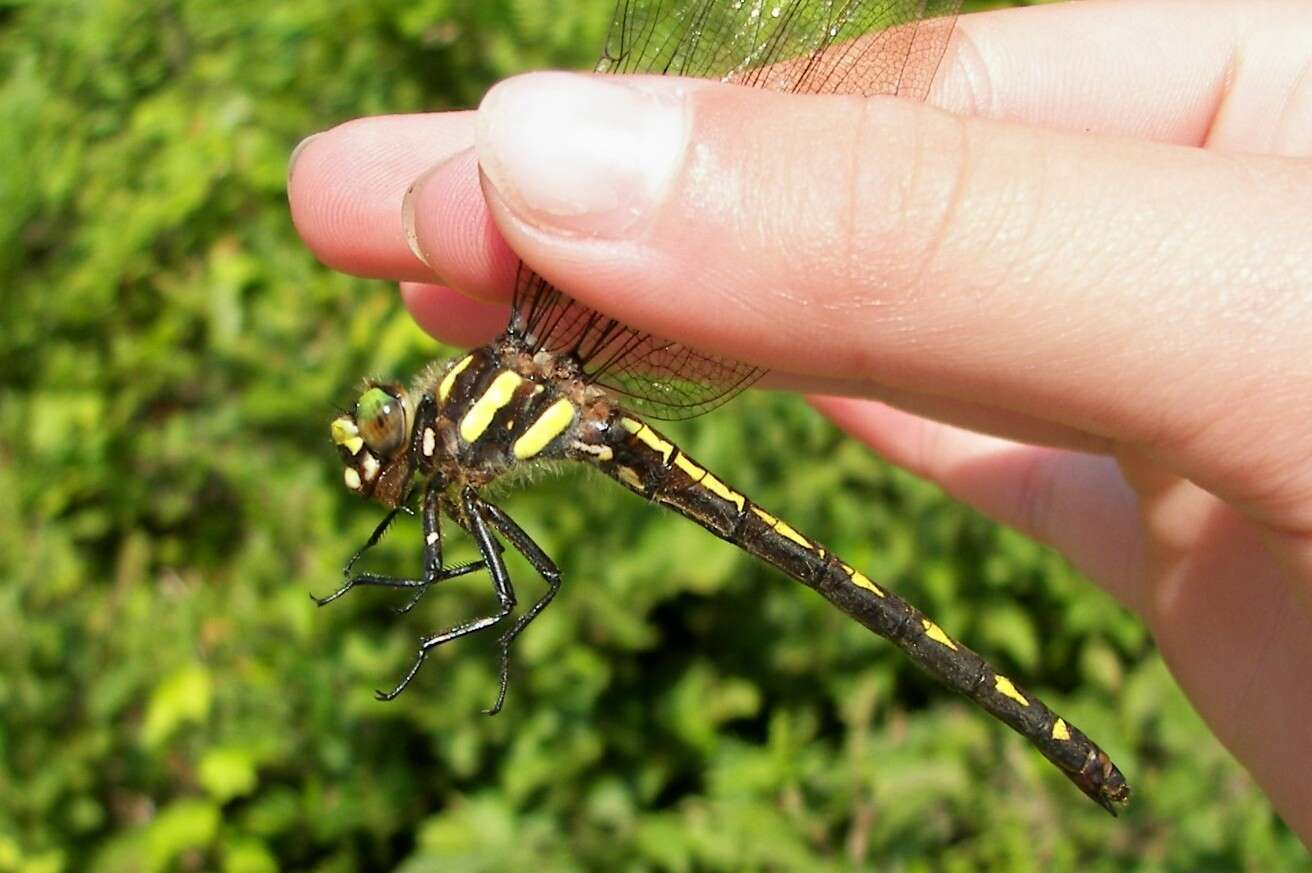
{"x":170,"y":699}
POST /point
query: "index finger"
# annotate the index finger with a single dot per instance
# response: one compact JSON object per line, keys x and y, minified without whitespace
{"x":1154,"y":70}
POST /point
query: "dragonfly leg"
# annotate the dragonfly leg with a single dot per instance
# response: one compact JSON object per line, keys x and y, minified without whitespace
{"x":546,"y":568}
{"x":434,"y":572}
{"x":374,"y":538}
{"x":491,"y":552}
{"x":442,"y":574}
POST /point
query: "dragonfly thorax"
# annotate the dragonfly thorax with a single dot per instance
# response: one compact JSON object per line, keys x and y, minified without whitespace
{"x":469,"y":420}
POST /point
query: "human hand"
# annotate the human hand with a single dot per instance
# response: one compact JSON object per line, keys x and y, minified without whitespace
{"x":1082,"y":305}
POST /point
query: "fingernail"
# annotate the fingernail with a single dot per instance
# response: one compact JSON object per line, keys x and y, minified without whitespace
{"x":296,"y":153}
{"x":582,"y":154}
{"x":408,"y":222}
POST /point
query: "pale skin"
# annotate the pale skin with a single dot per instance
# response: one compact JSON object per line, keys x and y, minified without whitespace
{"x":1074,"y":290}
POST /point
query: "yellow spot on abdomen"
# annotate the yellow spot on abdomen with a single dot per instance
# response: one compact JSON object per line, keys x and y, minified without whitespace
{"x":648,"y":437}
{"x":550,"y":424}
{"x":784,"y":530}
{"x":497,"y":395}
{"x":449,"y":379}
{"x":686,"y":465}
{"x":719,"y":489}
{"x":1006,"y":689}
{"x":935,"y":633}
{"x":860,"y":580}
{"x":601,"y":453}
{"x":709,"y":482}
{"x":1059,"y":731}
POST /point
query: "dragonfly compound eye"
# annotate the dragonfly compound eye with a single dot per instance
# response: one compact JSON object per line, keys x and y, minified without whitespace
{"x":380,"y":417}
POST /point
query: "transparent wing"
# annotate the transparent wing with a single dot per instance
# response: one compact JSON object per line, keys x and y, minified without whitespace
{"x":658,"y":378}
{"x":865,"y":47}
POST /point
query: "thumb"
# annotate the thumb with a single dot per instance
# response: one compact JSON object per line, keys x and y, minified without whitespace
{"x":1091,"y":282}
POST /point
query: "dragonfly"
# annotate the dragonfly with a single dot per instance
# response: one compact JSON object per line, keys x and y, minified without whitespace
{"x":565,"y":382}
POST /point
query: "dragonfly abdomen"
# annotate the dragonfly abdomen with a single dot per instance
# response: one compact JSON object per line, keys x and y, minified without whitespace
{"x":653,"y":466}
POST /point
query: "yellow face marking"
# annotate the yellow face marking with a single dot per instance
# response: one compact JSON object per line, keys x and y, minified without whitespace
{"x":497,"y":395}
{"x":719,"y":489}
{"x":1006,"y":689}
{"x":352,"y":479}
{"x":765,"y":516}
{"x":345,"y":433}
{"x":935,"y":633}
{"x":430,"y":442}
{"x":1059,"y":731}
{"x":449,"y":380}
{"x":550,"y":424}
{"x":784,"y":530}
{"x":860,"y":580}
{"x":630,"y":477}
{"x":648,"y":437}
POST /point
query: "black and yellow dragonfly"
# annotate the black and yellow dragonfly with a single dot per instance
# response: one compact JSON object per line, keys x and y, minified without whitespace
{"x":565,"y":382}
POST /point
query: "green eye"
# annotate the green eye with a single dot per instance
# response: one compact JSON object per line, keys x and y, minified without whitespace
{"x":381,"y":419}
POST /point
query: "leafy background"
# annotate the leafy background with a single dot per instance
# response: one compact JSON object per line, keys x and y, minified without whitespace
{"x":170,"y":699}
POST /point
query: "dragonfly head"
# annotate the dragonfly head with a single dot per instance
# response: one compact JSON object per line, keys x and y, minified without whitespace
{"x":374,"y":440}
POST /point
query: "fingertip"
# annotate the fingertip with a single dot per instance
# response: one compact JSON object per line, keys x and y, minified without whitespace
{"x":448,"y":224}
{"x":345,"y":186}
{"x":451,"y":317}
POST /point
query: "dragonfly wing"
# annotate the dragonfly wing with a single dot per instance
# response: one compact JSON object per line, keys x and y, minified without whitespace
{"x":866,"y":47}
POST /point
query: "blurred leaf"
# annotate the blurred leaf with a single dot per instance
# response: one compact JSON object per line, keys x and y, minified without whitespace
{"x":227,"y":772}
{"x":184,"y":825}
{"x":184,"y":696}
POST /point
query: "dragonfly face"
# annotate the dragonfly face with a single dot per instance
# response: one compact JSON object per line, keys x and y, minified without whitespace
{"x":372,"y":440}
{"x":565,"y":382}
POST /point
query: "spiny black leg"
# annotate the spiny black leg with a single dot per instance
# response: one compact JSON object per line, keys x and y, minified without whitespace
{"x":422,"y":585}
{"x":487,"y":546}
{"x":449,"y":573}
{"x":433,"y":571}
{"x":375,"y":537}
{"x":546,"y":568}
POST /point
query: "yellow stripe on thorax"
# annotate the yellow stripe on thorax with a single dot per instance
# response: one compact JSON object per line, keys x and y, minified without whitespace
{"x":497,"y":395}
{"x":648,"y":437}
{"x":449,"y":380}
{"x":549,"y":425}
